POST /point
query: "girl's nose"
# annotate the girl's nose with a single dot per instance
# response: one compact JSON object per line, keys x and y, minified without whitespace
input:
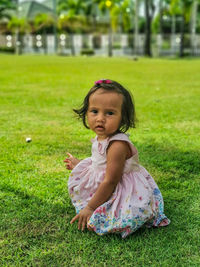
{"x":100,"y":118}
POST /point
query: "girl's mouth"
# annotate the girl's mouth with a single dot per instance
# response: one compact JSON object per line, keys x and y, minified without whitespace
{"x":99,"y":127}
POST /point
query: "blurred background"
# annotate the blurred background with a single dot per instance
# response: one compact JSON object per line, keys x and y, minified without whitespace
{"x":101,"y":27}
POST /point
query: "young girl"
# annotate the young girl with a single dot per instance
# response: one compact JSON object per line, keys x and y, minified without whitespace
{"x":110,"y":190}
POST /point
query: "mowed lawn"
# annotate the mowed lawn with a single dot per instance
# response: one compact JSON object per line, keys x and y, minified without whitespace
{"x":37,"y":95}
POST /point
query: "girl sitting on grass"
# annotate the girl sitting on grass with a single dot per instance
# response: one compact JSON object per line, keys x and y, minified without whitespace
{"x":111,"y":191}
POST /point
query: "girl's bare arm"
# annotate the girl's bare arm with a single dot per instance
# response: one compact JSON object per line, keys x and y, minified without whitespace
{"x":116,"y":156}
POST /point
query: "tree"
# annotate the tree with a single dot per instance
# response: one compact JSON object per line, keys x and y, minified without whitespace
{"x":185,"y":16}
{"x":136,"y":27}
{"x":42,"y":22}
{"x":116,"y":10}
{"x":127,"y":13}
{"x":174,"y":10}
{"x":69,"y":23}
{"x":71,"y":7}
{"x":106,"y":7}
{"x":193,"y":23}
{"x":149,"y":13}
{"x":5,"y":6}
{"x":18,"y":26}
{"x":71,"y":17}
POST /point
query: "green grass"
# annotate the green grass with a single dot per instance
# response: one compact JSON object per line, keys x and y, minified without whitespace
{"x":37,"y":95}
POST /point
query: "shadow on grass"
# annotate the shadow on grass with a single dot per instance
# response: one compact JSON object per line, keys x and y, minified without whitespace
{"x":170,"y":160}
{"x":26,"y":216}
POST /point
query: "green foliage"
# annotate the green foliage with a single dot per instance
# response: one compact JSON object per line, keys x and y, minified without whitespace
{"x":156,"y":24}
{"x":174,"y":7}
{"x":72,"y":7}
{"x":87,"y":51}
{"x":77,"y":8}
{"x":71,"y":23}
{"x":43,"y":21}
{"x":7,"y":50}
{"x":120,"y":13}
{"x":186,"y":6}
{"x":5,"y":6}
{"x":20,"y":24}
{"x":36,"y":100}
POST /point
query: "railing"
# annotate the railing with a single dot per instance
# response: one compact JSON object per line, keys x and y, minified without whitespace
{"x":122,"y":44}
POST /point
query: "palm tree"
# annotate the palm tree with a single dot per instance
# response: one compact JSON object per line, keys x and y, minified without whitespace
{"x":5,"y":6}
{"x":106,"y":8}
{"x":18,"y":26}
{"x":136,"y":27}
{"x":174,"y":10}
{"x":149,"y":13}
{"x":116,"y":10}
{"x":41,"y":22}
{"x":69,"y":23}
{"x":74,"y":7}
{"x":126,"y":11}
{"x":185,"y":14}
{"x":70,"y":17}
{"x":193,"y":25}
{"x":161,"y":16}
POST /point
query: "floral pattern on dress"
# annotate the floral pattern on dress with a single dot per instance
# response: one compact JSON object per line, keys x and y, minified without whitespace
{"x":136,"y":201}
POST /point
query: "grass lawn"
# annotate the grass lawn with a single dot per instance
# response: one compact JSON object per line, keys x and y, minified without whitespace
{"x":37,"y":94}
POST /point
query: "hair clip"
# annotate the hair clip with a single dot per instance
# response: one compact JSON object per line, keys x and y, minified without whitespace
{"x":102,"y":81}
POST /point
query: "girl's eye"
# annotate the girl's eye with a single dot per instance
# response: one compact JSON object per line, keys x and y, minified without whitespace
{"x":110,"y":113}
{"x":94,"y":111}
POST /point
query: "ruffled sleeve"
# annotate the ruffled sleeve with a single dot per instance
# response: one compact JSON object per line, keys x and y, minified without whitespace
{"x":124,"y":137}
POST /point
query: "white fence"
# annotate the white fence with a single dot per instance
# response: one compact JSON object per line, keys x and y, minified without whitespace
{"x":122,"y":44}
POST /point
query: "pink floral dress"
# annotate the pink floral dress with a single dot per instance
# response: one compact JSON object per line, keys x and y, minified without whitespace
{"x":136,"y":201}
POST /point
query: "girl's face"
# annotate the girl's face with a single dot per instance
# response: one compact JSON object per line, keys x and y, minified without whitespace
{"x":104,"y":113}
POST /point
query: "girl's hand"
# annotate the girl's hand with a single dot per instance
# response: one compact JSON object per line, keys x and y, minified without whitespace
{"x":83,"y":217}
{"x":71,"y":162}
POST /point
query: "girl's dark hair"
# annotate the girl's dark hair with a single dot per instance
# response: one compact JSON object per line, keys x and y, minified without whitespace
{"x":128,"y":108}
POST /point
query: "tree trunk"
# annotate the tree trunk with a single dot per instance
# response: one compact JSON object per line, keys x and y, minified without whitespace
{"x":193,"y":27}
{"x":55,"y":27}
{"x":161,"y":16}
{"x":173,"y":32}
{"x":136,"y":28}
{"x":17,"y":39}
{"x":72,"y":44}
{"x":45,"y":41}
{"x":147,"y":46}
{"x":17,"y":42}
{"x":94,"y":20}
{"x":110,"y":52}
{"x":182,"y":36}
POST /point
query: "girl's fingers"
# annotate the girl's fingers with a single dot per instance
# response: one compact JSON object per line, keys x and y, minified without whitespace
{"x":83,"y":225}
{"x":74,"y":219}
{"x":68,"y":167}
{"x":80,"y":221}
{"x":69,"y":155}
